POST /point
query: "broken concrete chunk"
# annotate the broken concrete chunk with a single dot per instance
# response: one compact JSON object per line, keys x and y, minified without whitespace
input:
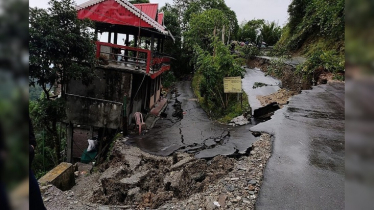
{"x":240,"y":120}
{"x":133,"y":161}
{"x":181,"y":163}
{"x":198,"y":177}
{"x":173,"y":178}
{"x":84,"y":167}
{"x":62,"y":176}
{"x":111,"y":172}
{"x":134,"y":179}
{"x":209,"y":203}
{"x":134,"y":194}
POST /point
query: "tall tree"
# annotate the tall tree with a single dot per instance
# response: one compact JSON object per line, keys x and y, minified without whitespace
{"x":271,"y":33}
{"x":61,"y":48}
{"x":249,"y":30}
{"x":204,"y":26}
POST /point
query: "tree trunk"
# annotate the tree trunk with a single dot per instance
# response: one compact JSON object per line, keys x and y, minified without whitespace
{"x":223,"y":34}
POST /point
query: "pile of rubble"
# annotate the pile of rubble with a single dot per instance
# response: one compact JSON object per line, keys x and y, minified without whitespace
{"x":133,"y":179}
{"x":238,"y":189}
{"x":281,"y":97}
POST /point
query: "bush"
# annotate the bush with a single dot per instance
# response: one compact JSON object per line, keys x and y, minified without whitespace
{"x":248,"y":52}
{"x":208,"y":80}
{"x":277,"y":66}
{"x":329,"y":60}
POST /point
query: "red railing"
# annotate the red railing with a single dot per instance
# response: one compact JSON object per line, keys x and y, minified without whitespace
{"x":157,"y":64}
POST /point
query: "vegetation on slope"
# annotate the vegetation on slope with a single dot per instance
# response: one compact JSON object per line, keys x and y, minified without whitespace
{"x":316,"y":31}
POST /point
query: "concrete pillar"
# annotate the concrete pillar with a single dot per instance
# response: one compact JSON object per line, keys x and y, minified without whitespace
{"x":162,"y":45}
{"x":127,"y":43}
{"x":91,"y":132}
{"x":152,"y":42}
{"x":69,"y":142}
{"x":155,"y":90}
{"x":115,"y":37}
{"x":135,"y":41}
{"x":158,"y":44}
{"x":109,"y":37}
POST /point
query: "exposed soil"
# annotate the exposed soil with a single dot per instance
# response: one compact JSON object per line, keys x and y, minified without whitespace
{"x":292,"y":81}
{"x":281,"y":97}
{"x":289,"y":80}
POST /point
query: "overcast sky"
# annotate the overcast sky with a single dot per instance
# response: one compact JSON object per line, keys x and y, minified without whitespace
{"x":270,"y":10}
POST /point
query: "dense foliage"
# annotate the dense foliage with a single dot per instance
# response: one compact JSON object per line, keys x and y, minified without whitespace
{"x":13,"y":95}
{"x":213,"y":68}
{"x":316,"y":29}
{"x":207,"y":26}
{"x":61,"y":48}
{"x":258,"y":30}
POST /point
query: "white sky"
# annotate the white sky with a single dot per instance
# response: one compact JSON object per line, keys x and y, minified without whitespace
{"x":270,"y":10}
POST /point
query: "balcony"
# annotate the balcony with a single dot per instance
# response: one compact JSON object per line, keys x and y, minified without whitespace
{"x":132,"y":59}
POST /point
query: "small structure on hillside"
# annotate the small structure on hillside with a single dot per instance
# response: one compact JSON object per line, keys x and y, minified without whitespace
{"x":128,"y":76}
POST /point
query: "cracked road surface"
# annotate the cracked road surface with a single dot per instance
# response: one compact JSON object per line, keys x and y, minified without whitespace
{"x":195,"y":133}
{"x":306,"y":170}
{"x":256,"y":75}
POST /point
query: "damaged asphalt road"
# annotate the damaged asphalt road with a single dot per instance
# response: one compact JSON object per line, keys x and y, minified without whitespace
{"x":195,"y":133}
{"x":306,"y":170}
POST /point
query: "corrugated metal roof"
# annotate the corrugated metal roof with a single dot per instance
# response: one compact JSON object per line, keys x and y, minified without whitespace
{"x":149,"y":9}
{"x":160,"y":18}
{"x":148,"y":13}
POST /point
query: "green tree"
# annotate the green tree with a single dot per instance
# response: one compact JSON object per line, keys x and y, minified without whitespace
{"x":249,"y":30}
{"x":180,"y":65}
{"x":271,"y":33}
{"x":296,"y":10}
{"x":213,"y":67}
{"x":61,"y":48}
{"x":204,"y":26}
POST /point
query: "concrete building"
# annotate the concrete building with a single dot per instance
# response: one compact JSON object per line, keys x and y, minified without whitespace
{"x":128,"y":75}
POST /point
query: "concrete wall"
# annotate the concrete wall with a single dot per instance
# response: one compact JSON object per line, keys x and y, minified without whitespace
{"x":108,"y":85}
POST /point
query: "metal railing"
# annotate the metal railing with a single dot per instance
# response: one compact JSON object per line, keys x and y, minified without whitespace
{"x":140,"y":58}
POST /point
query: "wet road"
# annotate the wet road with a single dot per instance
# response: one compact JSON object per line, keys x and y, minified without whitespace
{"x":256,"y":75}
{"x":195,"y":133}
{"x":306,"y":170}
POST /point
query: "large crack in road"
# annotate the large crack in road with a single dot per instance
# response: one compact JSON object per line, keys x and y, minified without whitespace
{"x":187,"y":128}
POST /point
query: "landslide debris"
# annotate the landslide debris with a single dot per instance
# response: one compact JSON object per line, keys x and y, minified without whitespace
{"x":136,"y":178}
